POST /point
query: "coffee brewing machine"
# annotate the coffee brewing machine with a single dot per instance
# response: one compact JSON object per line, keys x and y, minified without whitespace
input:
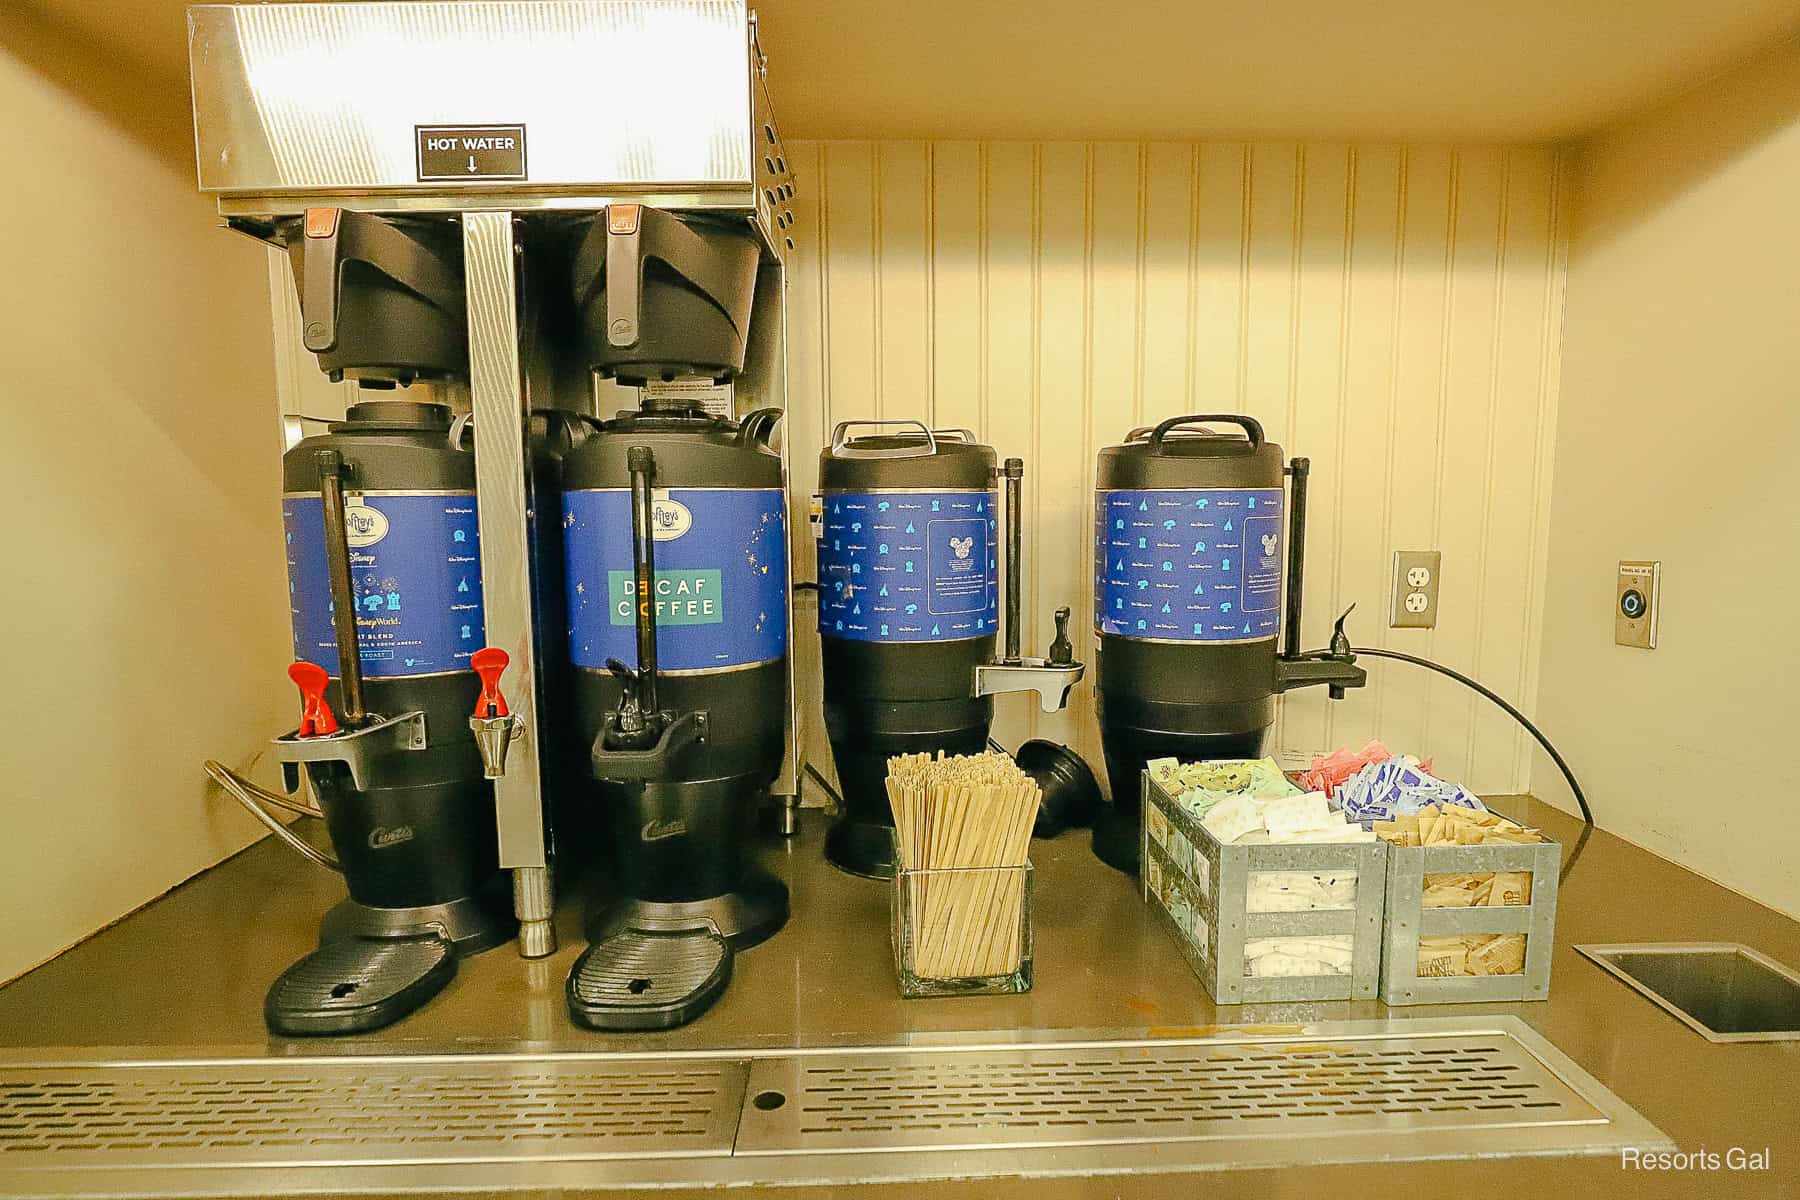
{"x":539,"y":573}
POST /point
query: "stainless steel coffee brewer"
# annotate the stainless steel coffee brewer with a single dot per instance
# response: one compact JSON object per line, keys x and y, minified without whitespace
{"x":455,"y":184}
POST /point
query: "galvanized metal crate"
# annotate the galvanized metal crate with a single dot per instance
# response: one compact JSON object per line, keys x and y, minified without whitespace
{"x":1187,"y":874}
{"x":1408,"y":921}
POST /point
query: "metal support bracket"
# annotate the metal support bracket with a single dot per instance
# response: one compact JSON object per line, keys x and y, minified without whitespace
{"x":1051,"y":681}
{"x":355,"y":748}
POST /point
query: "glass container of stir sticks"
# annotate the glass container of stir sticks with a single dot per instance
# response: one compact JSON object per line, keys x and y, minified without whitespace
{"x":962,"y":895}
{"x":962,"y":931}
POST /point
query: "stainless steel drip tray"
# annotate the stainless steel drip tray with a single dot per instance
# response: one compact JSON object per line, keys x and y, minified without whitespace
{"x":1725,"y":992}
{"x":964,"y":1106}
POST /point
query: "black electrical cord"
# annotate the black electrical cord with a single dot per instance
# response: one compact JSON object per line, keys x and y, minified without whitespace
{"x":1515,"y":714}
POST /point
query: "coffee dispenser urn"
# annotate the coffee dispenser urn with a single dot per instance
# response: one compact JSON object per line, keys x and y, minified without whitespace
{"x":1190,"y":527}
{"x":910,"y":609}
{"x":675,"y":526}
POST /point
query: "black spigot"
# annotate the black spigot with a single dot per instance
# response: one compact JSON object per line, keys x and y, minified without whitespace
{"x":1341,"y":650}
{"x":1062,"y":650}
{"x":631,"y":728}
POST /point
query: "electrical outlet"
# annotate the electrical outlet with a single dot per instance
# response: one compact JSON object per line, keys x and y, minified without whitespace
{"x":1637,"y":605}
{"x":1415,"y":589}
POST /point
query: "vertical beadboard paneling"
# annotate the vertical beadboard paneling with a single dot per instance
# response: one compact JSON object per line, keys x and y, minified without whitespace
{"x":1118,"y":341}
{"x":1555,"y":268}
{"x":1423,"y":318}
{"x":852,"y":296}
{"x":903,"y":280}
{"x":1366,"y":419}
{"x":1010,"y":319}
{"x":1058,"y":512}
{"x":1216,"y":322}
{"x":1513,"y":471}
{"x":1392,"y":313}
{"x":958,"y":287}
{"x":1464,"y":418}
{"x":1319,"y":343}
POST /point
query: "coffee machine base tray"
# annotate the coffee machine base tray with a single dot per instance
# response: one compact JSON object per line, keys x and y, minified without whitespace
{"x":358,"y":984}
{"x":639,"y":981}
{"x":751,"y":914}
{"x":470,"y":923}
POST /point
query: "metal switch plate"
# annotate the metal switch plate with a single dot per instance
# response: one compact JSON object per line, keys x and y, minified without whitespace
{"x":1636,"y":607}
{"x":1415,"y":589}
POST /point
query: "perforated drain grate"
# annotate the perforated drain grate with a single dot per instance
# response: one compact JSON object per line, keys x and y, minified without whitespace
{"x":438,"y":1123}
{"x":1050,"y":1095}
{"x":267,"y":1112}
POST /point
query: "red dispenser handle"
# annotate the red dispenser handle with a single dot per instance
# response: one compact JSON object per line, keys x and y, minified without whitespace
{"x":490,"y":663}
{"x":315,"y":714}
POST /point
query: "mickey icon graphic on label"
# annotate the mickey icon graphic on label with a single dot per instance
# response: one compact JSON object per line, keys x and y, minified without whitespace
{"x":962,"y":546}
{"x":1268,"y":545}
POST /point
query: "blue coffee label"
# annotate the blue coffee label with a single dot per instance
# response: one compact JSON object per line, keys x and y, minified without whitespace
{"x":908,"y":566}
{"x":720,"y":592}
{"x":1189,"y":564}
{"x":415,"y":571}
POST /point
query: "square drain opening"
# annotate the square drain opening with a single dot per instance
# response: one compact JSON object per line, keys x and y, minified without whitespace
{"x":1724,"y":991}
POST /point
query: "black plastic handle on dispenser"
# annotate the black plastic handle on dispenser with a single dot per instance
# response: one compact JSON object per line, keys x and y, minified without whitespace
{"x":758,"y":425}
{"x":626,"y":766}
{"x":343,"y":595}
{"x":624,"y":240}
{"x":1250,"y":425}
{"x":624,"y":273}
{"x":335,"y":238}
{"x":641,"y":462}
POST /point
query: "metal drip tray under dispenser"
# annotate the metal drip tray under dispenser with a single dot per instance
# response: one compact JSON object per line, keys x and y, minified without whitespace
{"x":349,"y":1122}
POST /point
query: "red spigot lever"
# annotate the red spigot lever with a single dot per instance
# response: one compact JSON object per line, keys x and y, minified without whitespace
{"x":490,"y":663}
{"x":315,"y":714}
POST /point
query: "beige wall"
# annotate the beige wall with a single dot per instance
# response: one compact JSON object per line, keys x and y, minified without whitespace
{"x":1677,"y":440}
{"x":1390,"y":312}
{"x":142,"y":598}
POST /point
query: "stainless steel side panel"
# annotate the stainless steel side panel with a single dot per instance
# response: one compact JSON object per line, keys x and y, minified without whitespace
{"x":496,"y":388}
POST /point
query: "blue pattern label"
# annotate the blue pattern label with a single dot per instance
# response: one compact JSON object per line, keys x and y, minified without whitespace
{"x":1189,"y":564}
{"x":908,"y":566}
{"x":415,"y":569}
{"x":721,"y":587}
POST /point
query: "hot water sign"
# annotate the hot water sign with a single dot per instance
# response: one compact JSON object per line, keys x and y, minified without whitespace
{"x":906,"y":566}
{"x":719,"y":596}
{"x":1188,"y":564}
{"x":447,"y":152}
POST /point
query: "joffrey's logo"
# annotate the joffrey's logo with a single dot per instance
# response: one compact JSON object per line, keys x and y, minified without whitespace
{"x":364,"y":526}
{"x":669,"y":519}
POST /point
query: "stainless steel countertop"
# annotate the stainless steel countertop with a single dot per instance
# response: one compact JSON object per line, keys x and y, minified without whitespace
{"x":191,"y":970}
